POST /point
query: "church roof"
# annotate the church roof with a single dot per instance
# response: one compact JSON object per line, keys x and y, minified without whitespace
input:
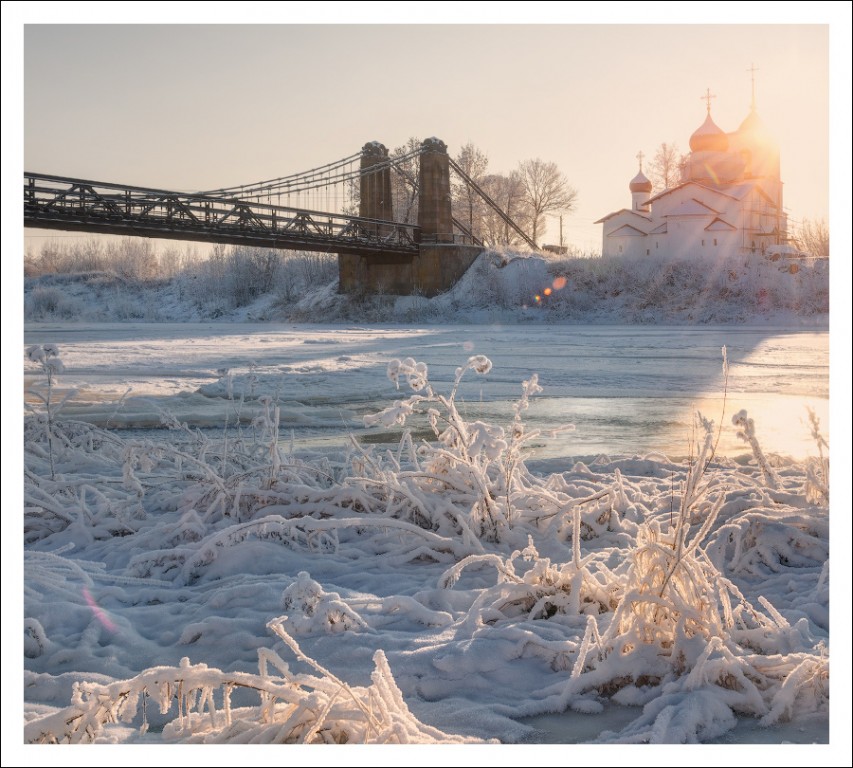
{"x":644,"y":216}
{"x":741,"y":190}
{"x":659,"y":230}
{"x":692,"y":207}
{"x":718,"y":225}
{"x":669,"y":191}
{"x":626,"y":230}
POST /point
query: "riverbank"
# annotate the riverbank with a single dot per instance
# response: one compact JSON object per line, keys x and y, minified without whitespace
{"x":501,"y":287}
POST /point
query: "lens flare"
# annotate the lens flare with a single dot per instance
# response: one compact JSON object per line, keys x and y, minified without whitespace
{"x":99,"y":612}
{"x":537,"y":298}
{"x":547,"y":291}
{"x":559,"y":283}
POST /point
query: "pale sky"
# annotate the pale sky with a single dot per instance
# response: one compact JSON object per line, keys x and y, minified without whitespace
{"x":188,"y":107}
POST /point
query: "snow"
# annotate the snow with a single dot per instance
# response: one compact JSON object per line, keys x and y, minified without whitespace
{"x":486,"y":583}
{"x":243,"y":531}
{"x":502,"y":286}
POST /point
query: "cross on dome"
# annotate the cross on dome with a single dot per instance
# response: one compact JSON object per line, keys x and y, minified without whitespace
{"x":752,"y":70}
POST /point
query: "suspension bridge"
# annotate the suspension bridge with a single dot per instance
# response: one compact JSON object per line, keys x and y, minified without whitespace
{"x":389,"y":218}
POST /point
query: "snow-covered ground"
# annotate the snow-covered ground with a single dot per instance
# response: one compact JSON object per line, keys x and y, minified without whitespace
{"x":477,"y":579}
{"x":500,"y":287}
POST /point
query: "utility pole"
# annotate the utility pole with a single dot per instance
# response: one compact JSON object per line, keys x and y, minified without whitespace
{"x":561,"y":232}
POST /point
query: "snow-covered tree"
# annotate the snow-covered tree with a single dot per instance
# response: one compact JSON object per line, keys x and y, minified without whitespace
{"x":665,"y":168}
{"x":468,"y":206}
{"x":812,"y":236}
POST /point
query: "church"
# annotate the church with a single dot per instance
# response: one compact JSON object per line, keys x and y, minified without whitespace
{"x":728,"y":201}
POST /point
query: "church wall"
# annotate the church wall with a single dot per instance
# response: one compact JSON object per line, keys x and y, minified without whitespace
{"x":628,"y":246}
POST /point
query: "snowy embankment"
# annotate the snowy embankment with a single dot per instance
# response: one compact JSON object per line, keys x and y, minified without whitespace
{"x":499,"y":287}
{"x":225,"y":590}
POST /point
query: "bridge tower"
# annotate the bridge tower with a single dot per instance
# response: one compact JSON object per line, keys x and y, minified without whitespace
{"x":375,"y":200}
{"x":434,"y":214}
{"x":439,"y":262}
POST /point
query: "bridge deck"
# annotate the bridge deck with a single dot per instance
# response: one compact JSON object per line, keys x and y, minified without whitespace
{"x":56,"y":202}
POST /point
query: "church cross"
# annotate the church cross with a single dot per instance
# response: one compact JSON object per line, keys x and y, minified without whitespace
{"x":752,"y":70}
{"x":640,"y":157}
{"x":707,"y":98}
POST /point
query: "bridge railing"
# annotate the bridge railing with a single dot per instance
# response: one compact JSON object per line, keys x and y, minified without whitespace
{"x":61,"y":203}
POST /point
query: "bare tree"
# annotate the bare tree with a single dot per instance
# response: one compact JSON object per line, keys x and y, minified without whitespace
{"x":404,"y":180}
{"x":546,"y":190}
{"x":403,"y":193}
{"x":509,"y":195}
{"x":665,"y":168}
{"x":812,"y":236}
{"x":467,"y":204}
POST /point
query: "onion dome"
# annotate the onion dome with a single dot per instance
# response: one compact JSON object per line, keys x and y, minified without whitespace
{"x":752,"y":124}
{"x":708,"y":137}
{"x":640,"y":183}
{"x":753,"y":131}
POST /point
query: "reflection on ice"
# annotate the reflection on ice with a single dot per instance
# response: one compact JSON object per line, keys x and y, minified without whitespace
{"x":628,"y":390}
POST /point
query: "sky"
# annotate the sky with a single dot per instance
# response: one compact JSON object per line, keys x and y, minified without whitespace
{"x":186,"y":107}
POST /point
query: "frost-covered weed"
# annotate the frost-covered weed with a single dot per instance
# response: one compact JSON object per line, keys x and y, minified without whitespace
{"x":468,"y":480}
{"x":532,"y":587}
{"x":817,"y":470}
{"x":47,"y":357}
{"x":746,"y":432}
{"x":603,"y":581}
{"x":293,"y":708}
{"x":311,"y":609}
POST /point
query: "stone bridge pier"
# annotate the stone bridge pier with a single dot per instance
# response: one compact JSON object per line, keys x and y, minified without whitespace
{"x":440,"y":262}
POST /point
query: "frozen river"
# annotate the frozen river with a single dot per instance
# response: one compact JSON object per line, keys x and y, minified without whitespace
{"x":627,"y":389}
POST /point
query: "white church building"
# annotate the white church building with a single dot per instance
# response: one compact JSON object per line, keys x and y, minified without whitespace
{"x":728,"y":202}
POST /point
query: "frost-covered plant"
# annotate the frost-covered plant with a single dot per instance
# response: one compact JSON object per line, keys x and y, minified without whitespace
{"x":312,"y":610}
{"x":532,"y":587}
{"x":59,"y":494}
{"x":47,"y":357}
{"x":761,"y":541}
{"x":294,"y":708}
{"x":463,"y":453}
{"x":472,"y":472}
{"x":621,"y":594}
{"x":746,"y":432}
{"x":672,"y":592}
{"x":817,"y":471}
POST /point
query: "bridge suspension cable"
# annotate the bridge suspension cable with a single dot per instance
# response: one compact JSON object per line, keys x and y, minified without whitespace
{"x":281,"y":180}
{"x":491,"y":203}
{"x":308,"y":186}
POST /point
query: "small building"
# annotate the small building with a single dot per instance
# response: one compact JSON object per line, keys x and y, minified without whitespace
{"x":728,"y":201}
